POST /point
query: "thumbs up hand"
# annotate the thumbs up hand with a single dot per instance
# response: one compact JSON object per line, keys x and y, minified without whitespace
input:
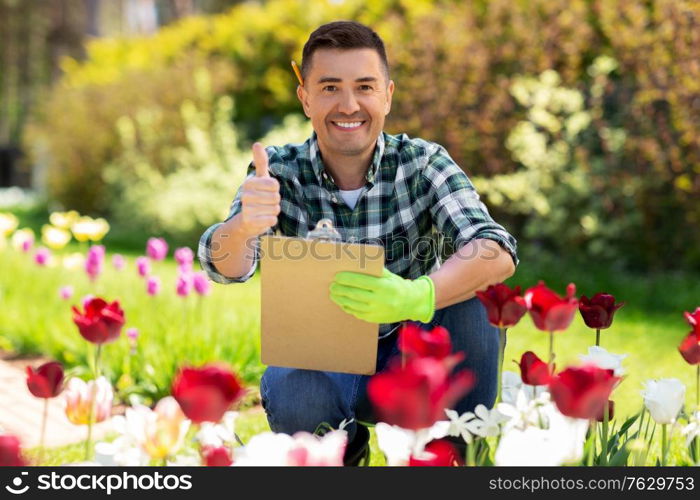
{"x":260,"y":197}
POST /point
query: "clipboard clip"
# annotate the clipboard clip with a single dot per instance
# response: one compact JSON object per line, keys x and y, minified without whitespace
{"x":324,"y":231}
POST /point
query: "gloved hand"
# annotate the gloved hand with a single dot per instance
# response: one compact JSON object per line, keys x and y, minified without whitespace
{"x":387,"y":299}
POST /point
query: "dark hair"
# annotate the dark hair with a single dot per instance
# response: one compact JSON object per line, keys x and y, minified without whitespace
{"x":342,"y":35}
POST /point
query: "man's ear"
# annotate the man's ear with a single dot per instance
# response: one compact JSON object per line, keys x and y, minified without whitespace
{"x":389,"y":93}
{"x":303,"y":96}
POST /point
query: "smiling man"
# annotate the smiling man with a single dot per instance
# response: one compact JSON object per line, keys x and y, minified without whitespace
{"x":406,"y":194}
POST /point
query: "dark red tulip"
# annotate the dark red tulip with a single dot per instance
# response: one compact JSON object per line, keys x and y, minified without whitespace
{"x":549,"y":311}
{"x":10,"y":452}
{"x":533,"y":371}
{"x":206,"y":393}
{"x":415,"y":396}
{"x":46,"y":381}
{"x":581,"y":392}
{"x":504,"y":306}
{"x":598,"y":311}
{"x":101,"y":322}
{"x":694,"y":320}
{"x":414,"y":341}
{"x":216,"y":456}
{"x":437,"y":454}
{"x":690,"y":348}
{"x":611,"y":411}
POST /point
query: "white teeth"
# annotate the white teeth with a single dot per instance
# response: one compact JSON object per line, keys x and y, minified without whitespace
{"x":348,"y":125}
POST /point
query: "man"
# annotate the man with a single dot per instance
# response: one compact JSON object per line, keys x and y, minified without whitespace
{"x":373,"y":186}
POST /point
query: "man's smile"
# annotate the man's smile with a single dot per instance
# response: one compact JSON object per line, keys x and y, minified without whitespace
{"x":348,"y":126}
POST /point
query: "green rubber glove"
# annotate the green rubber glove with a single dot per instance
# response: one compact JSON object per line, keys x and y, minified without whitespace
{"x":387,"y":299}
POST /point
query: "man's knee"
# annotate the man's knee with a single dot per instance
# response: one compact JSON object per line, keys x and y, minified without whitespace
{"x":300,"y":400}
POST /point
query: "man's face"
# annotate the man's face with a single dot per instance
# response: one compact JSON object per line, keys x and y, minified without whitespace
{"x":347,"y":98}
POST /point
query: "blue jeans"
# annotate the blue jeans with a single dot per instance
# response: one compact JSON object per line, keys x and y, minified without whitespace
{"x":299,"y":400}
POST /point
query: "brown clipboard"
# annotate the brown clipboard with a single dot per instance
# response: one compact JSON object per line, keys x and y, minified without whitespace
{"x":301,"y":327}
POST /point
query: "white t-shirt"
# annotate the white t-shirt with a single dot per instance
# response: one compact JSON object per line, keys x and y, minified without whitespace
{"x":350,"y":197}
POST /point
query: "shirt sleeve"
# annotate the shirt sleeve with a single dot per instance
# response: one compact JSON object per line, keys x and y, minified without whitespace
{"x":456,"y":208}
{"x":204,"y":248}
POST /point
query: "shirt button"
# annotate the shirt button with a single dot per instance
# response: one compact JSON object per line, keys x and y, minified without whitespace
{"x":335,"y":200}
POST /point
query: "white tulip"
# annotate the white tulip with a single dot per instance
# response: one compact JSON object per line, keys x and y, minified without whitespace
{"x":511,"y":383}
{"x":604,"y":359}
{"x":398,"y":444}
{"x":664,"y":398}
{"x":558,"y":441}
{"x":692,"y":430}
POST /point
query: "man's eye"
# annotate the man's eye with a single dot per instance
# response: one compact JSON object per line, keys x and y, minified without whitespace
{"x":366,"y":87}
{"x":330,"y":88}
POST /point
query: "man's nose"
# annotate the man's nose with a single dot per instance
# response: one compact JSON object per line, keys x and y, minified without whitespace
{"x":348,"y":103}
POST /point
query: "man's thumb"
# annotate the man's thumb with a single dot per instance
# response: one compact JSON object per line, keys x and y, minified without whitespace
{"x":260,"y":160}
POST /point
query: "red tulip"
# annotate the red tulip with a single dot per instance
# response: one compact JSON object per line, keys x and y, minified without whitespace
{"x":581,"y":392}
{"x":10,"y":452}
{"x":598,"y":311}
{"x":437,"y":454}
{"x":504,"y":306}
{"x":216,"y":456}
{"x":533,"y":371}
{"x":414,"y":341}
{"x":101,"y":322}
{"x":690,"y":348}
{"x":415,"y":396}
{"x":549,"y":311}
{"x":694,"y":320}
{"x":206,"y":393}
{"x":611,"y":411}
{"x":46,"y":381}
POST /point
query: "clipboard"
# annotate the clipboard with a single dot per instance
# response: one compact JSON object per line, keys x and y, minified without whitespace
{"x":301,"y":327}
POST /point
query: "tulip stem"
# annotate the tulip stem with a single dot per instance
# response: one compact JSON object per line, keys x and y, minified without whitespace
{"x":501,"y":353}
{"x":604,"y":434}
{"x":664,"y":444}
{"x":597,"y":336}
{"x":697,"y":386}
{"x":591,"y":448}
{"x":93,"y":396}
{"x":551,"y":353}
{"x":43,"y":431}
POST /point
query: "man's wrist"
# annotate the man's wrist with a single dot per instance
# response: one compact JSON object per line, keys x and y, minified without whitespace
{"x":425,"y":299}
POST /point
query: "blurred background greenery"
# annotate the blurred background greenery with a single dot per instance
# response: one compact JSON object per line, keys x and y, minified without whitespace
{"x":578,"y":120}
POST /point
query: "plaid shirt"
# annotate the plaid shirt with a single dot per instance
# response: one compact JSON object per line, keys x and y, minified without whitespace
{"x":417,"y":203}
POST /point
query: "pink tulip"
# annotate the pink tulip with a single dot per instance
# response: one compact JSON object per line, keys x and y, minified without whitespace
{"x":42,"y":256}
{"x":157,"y":248}
{"x":65,"y":292}
{"x":201,"y":283}
{"x":165,"y":428}
{"x":79,"y":396}
{"x":118,"y":261}
{"x":132,"y":334}
{"x":153,"y":285}
{"x":184,"y":285}
{"x":184,"y":258}
{"x":28,"y":243}
{"x":143,"y":266}
{"x":94,"y":261}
